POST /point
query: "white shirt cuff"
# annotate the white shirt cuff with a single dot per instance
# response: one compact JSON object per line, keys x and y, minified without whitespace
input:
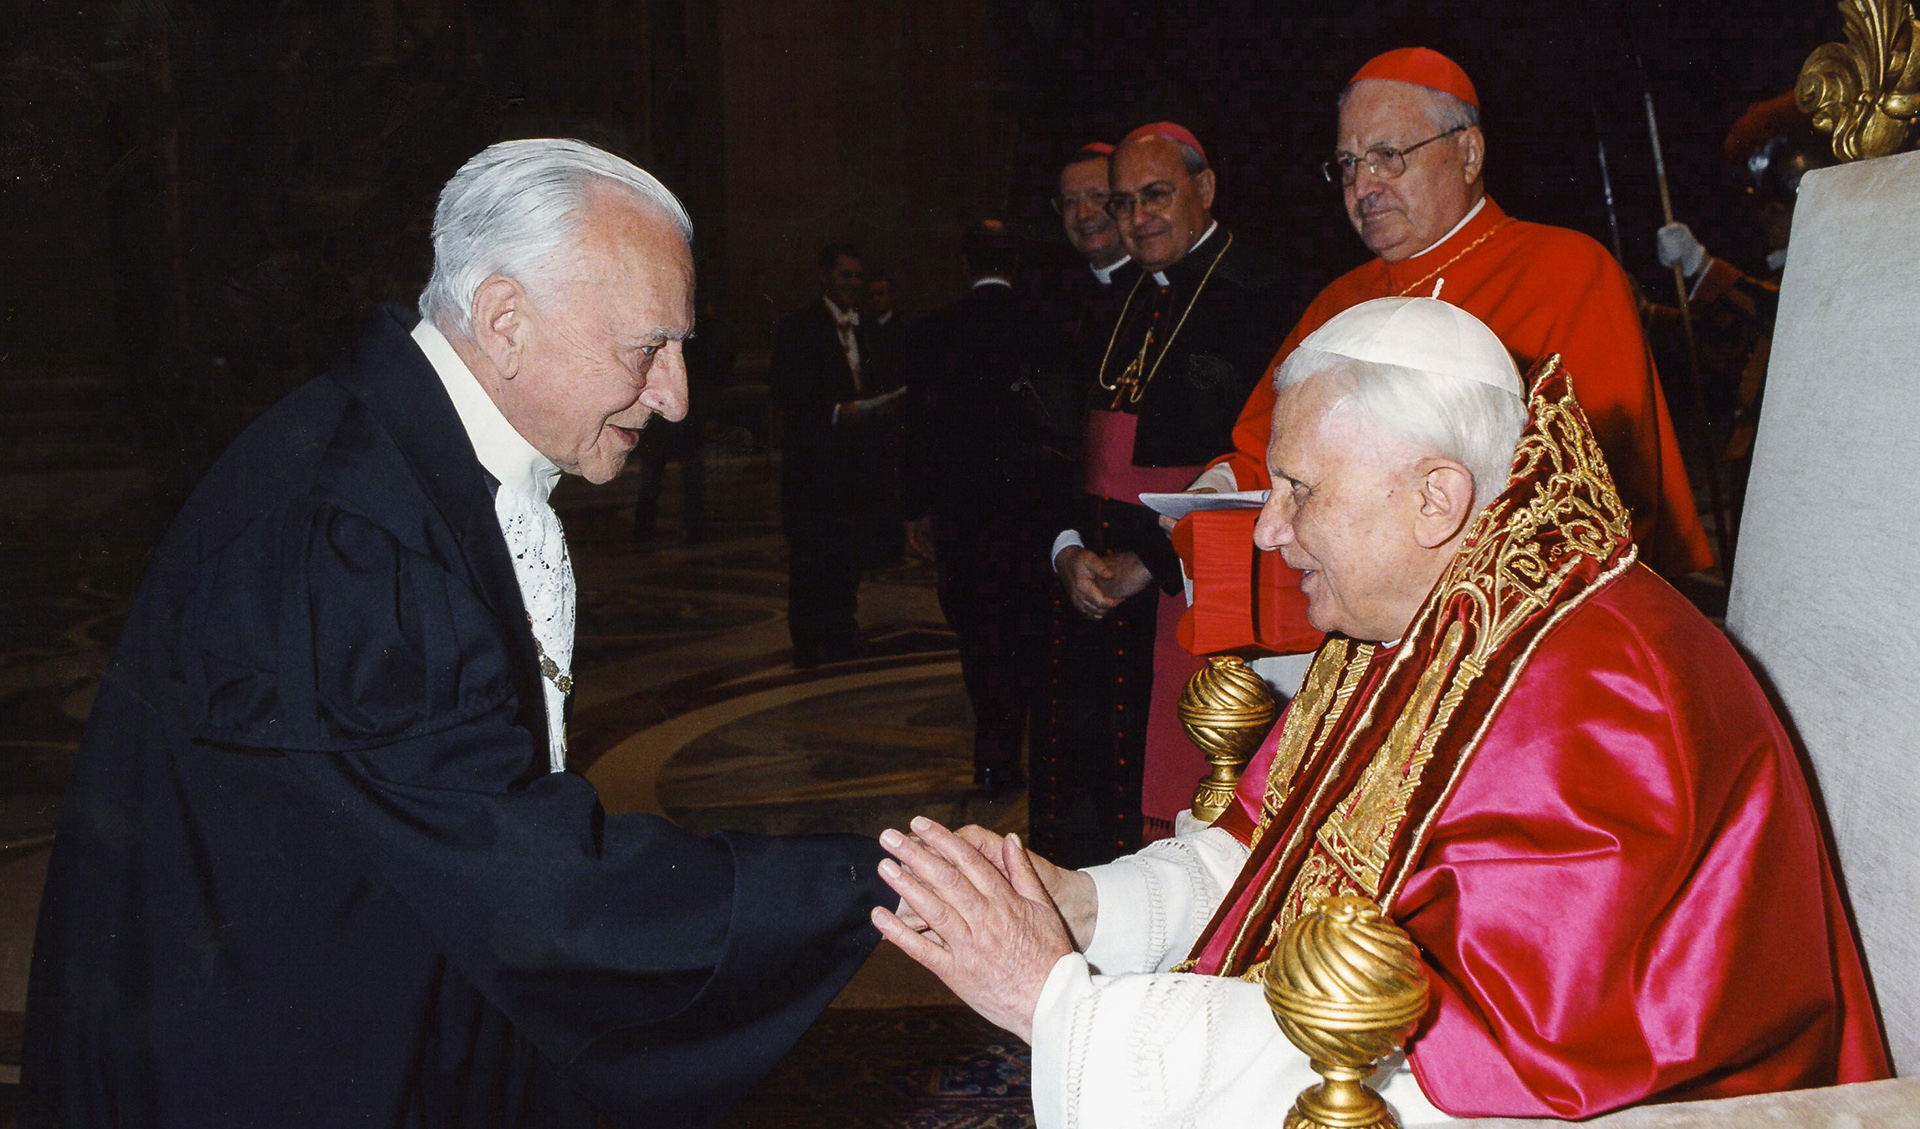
{"x":1119,"y":927}
{"x":1067,"y":537}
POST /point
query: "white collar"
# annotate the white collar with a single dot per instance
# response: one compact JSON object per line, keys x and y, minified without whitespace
{"x":507,"y":455}
{"x":842,"y":317}
{"x":1471,"y":212}
{"x":1161,"y":277}
{"x":990,"y":280}
{"x":1105,"y":274}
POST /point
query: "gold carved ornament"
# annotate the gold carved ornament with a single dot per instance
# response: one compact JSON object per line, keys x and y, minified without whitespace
{"x":1866,"y":91}
{"x":1227,"y":711}
{"x":1347,"y":987}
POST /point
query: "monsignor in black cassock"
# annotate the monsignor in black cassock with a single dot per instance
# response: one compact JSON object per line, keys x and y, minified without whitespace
{"x":976,"y":463}
{"x":312,"y":869}
{"x":837,"y":477}
{"x":1214,"y":323}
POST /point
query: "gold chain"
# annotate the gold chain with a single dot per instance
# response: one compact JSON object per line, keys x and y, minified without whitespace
{"x":1428,"y":277}
{"x":1137,"y":388}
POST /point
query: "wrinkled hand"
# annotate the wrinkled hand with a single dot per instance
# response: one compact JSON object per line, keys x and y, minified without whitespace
{"x":1072,"y":891}
{"x":991,"y":938}
{"x":920,"y":537}
{"x":1676,"y":243}
{"x":1128,"y":577}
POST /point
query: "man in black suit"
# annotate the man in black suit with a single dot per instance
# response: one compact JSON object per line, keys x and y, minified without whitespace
{"x":838,"y":411}
{"x":975,"y":485}
{"x":321,"y":862}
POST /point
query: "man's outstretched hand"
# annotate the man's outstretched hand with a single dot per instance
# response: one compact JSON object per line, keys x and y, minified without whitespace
{"x":992,"y":937}
{"x":1072,"y":891}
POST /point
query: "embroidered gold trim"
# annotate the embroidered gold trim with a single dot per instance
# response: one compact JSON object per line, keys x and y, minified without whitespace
{"x":1503,"y":576}
{"x":1359,"y":834}
{"x":1303,"y":720}
{"x":1356,"y":671}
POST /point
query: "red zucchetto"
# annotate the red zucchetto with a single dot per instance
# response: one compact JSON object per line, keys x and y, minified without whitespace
{"x":1421,"y":66}
{"x":1172,"y":132}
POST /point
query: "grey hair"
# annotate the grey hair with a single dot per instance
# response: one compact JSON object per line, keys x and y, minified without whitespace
{"x":513,"y":210}
{"x":1476,"y":425}
{"x":1446,"y":111}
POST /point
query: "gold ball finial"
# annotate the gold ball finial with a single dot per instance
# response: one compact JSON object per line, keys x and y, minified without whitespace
{"x":1347,"y":987}
{"x":1227,"y":710}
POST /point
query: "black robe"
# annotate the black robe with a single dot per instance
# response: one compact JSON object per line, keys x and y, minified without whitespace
{"x":312,"y":870}
{"x":1089,"y":729}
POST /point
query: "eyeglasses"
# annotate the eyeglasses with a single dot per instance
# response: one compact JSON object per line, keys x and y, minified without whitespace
{"x":1383,"y":161}
{"x":1093,"y":198}
{"x":1154,"y":198}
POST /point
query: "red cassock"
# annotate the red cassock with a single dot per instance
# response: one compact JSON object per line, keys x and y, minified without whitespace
{"x":1542,"y":290}
{"x":1628,"y":897}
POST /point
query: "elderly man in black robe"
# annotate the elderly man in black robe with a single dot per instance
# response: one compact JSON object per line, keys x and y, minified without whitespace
{"x":321,"y":862}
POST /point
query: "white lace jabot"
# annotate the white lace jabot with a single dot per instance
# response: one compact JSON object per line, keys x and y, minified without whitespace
{"x":532,"y":530}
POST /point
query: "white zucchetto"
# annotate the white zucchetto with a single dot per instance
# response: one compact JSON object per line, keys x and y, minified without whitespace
{"x":1420,"y":334}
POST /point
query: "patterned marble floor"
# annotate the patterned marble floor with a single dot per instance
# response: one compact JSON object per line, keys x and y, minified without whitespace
{"x":687,"y":706}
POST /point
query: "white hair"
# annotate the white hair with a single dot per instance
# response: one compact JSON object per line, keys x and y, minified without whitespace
{"x":1446,"y":111}
{"x":1476,"y":425}
{"x":513,"y":210}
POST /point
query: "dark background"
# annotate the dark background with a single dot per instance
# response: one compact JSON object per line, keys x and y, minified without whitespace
{"x":202,"y":198}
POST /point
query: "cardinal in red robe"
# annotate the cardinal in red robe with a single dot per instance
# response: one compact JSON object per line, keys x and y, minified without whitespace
{"x":1410,"y":158}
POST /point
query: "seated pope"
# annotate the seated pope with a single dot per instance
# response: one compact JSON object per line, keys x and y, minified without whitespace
{"x":1537,"y":758}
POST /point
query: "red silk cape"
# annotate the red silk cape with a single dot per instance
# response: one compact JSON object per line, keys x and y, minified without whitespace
{"x":1628,"y":897}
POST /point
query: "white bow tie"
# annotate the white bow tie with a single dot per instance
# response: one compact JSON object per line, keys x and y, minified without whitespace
{"x":544,"y":571}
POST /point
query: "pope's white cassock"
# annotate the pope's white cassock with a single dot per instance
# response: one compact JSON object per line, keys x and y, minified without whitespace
{"x":1119,"y":1041}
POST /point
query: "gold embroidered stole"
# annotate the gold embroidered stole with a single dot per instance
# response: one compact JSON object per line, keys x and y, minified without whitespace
{"x":1374,"y":743}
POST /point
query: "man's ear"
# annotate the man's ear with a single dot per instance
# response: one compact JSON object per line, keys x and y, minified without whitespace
{"x":1203,"y":184}
{"x":500,"y":326}
{"x":1446,"y":502}
{"x":1473,"y":152}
